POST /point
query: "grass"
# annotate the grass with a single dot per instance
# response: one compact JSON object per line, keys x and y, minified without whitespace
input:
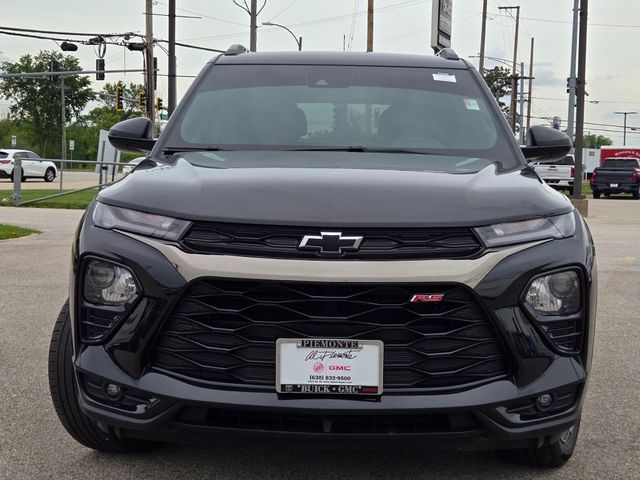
{"x":79,"y":200}
{"x":8,"y":231}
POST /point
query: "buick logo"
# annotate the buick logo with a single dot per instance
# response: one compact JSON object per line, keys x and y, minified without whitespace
{"x":330,"y":242}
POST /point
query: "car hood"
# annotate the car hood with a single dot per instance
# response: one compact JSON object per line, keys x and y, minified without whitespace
{"x":335,"y":197}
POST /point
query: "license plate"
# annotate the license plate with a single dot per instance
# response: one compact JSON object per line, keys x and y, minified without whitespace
{"x":329,"y":366}
{"x":614,"y":185}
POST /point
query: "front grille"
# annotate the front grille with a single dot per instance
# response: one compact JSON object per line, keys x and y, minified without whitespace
{"x":224,"y":331}
{"x":322,"y":423}
{"x":283,"y":241}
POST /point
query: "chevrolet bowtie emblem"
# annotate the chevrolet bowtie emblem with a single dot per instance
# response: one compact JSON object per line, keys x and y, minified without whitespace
{"x":330,"y":242}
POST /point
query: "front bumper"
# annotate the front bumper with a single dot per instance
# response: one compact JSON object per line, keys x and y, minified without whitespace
{"x":160,"y":406}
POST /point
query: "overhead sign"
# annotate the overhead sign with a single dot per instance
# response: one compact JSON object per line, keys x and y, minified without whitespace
{"x":441,"y":15}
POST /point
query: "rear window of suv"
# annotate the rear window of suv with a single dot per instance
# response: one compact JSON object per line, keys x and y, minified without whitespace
{"x":4,"y":154}
{"x":297,"y":107}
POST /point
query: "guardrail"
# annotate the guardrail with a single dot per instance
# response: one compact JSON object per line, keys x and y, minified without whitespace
{"x":103,"y":168}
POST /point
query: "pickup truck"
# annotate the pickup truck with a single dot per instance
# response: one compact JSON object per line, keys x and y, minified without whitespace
{"x":558,"y":174}
{"x":617,"y":175}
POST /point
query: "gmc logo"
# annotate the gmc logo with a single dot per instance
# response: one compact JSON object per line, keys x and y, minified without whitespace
{"x":339,"y":368}
{"x":427,"y":298}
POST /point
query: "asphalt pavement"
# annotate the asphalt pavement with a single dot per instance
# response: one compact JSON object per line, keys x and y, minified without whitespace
{"x":33,"y":444}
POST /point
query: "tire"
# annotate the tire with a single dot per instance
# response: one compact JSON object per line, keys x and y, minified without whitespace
{"x":549,"y":456}
{"x":49,"y":175}
{"x":636,"y":194}
{"x":596,"y":194}
{"x":64,"y":393}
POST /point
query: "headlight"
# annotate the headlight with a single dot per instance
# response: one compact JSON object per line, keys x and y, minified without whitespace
{"x":108,"y":284}
{"x":560,"y":226}
{"x":149,"y":224}
{"x":555,"y":294}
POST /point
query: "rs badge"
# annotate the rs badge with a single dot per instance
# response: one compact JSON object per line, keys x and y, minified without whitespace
{"x":427,"y":298}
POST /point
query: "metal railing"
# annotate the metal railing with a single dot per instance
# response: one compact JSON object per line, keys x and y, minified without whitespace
{"x":103,"y":169}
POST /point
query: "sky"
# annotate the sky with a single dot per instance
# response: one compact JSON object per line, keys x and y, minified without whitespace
{"x":399,"y":26}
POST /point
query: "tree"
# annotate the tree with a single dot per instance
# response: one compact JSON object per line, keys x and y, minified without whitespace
{"x":499,"y":82}
{"x":596,"y":141}
{"x":86,"y":131}
{"x":37,"y":102}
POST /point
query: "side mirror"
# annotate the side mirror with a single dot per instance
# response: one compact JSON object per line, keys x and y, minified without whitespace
{"x":546,"y":144}
{"x":132,"y":135}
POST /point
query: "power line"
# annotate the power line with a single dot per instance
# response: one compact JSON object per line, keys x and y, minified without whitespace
{"x":77,"y":34}
{"x":196,"y":47}
{"x":284,"y":10}
{"x":204,"y":15}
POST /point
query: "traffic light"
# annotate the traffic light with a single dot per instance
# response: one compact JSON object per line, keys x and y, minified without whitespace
{"x":142,"y":101}
{"x":99,"y":68}
{"x":158,"y":104}
{"x":155,"y":73}
{"x":53,"y":67}
{"x":118,"y":98}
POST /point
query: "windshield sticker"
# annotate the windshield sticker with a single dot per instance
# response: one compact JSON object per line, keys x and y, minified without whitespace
{"x":444,"y":77}
{"x":471,"y":104}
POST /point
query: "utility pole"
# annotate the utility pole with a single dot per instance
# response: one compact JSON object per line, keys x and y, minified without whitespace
{"x":63,"y":125}
{"x":572,"y":72}
{"x":624,"y":134}
{"x":370,"y":26}
{"x":514,"y":80}
{"x":150,"y":90}
{"x":171,"y":106}
{"x":529,"y":93}
{"x":254,"y":25}
{"x":582,"y":70}
{"x":483,"y":35}
{"x":522,"y":77}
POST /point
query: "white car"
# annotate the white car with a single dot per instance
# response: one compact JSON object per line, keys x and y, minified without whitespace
{"x":126,"y":170}
{"x":32,"y":165}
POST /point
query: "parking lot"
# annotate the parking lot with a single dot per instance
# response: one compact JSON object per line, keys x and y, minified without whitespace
{"x":33,"y":444}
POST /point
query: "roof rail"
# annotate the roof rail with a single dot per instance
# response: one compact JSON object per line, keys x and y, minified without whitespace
{"x":236,"y":49}
{"x":448,"y":54}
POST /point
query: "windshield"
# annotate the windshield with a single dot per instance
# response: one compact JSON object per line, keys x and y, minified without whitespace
{"x":428,"y":112}
{"x":621,"y":163}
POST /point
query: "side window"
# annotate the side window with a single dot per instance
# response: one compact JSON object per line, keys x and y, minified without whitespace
{"x":20,"y":156}
{"x":32,"y":156}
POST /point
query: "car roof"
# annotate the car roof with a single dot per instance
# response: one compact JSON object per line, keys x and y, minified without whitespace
{"x":340,"y":58}
{"x":14,"y":150}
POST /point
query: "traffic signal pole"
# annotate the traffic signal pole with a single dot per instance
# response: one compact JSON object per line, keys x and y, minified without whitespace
{"x":172,"y":58}
{"x":149,"y":83}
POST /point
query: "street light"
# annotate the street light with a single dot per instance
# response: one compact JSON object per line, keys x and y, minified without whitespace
{"x":624,"y":135}
{"x":297,"y":39}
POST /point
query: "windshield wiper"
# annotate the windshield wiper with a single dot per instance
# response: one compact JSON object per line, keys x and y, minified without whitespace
{"x":169,"y":150}
{"x":356,"y":148}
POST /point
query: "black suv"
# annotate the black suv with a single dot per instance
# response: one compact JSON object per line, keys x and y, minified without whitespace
{"x":328,"y":246}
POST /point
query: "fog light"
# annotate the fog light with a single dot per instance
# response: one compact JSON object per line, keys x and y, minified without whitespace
{"x":108,"y":284}
{"x":113,"y":391}
{"x":544,"y":401}
{"x":555,"y":294}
